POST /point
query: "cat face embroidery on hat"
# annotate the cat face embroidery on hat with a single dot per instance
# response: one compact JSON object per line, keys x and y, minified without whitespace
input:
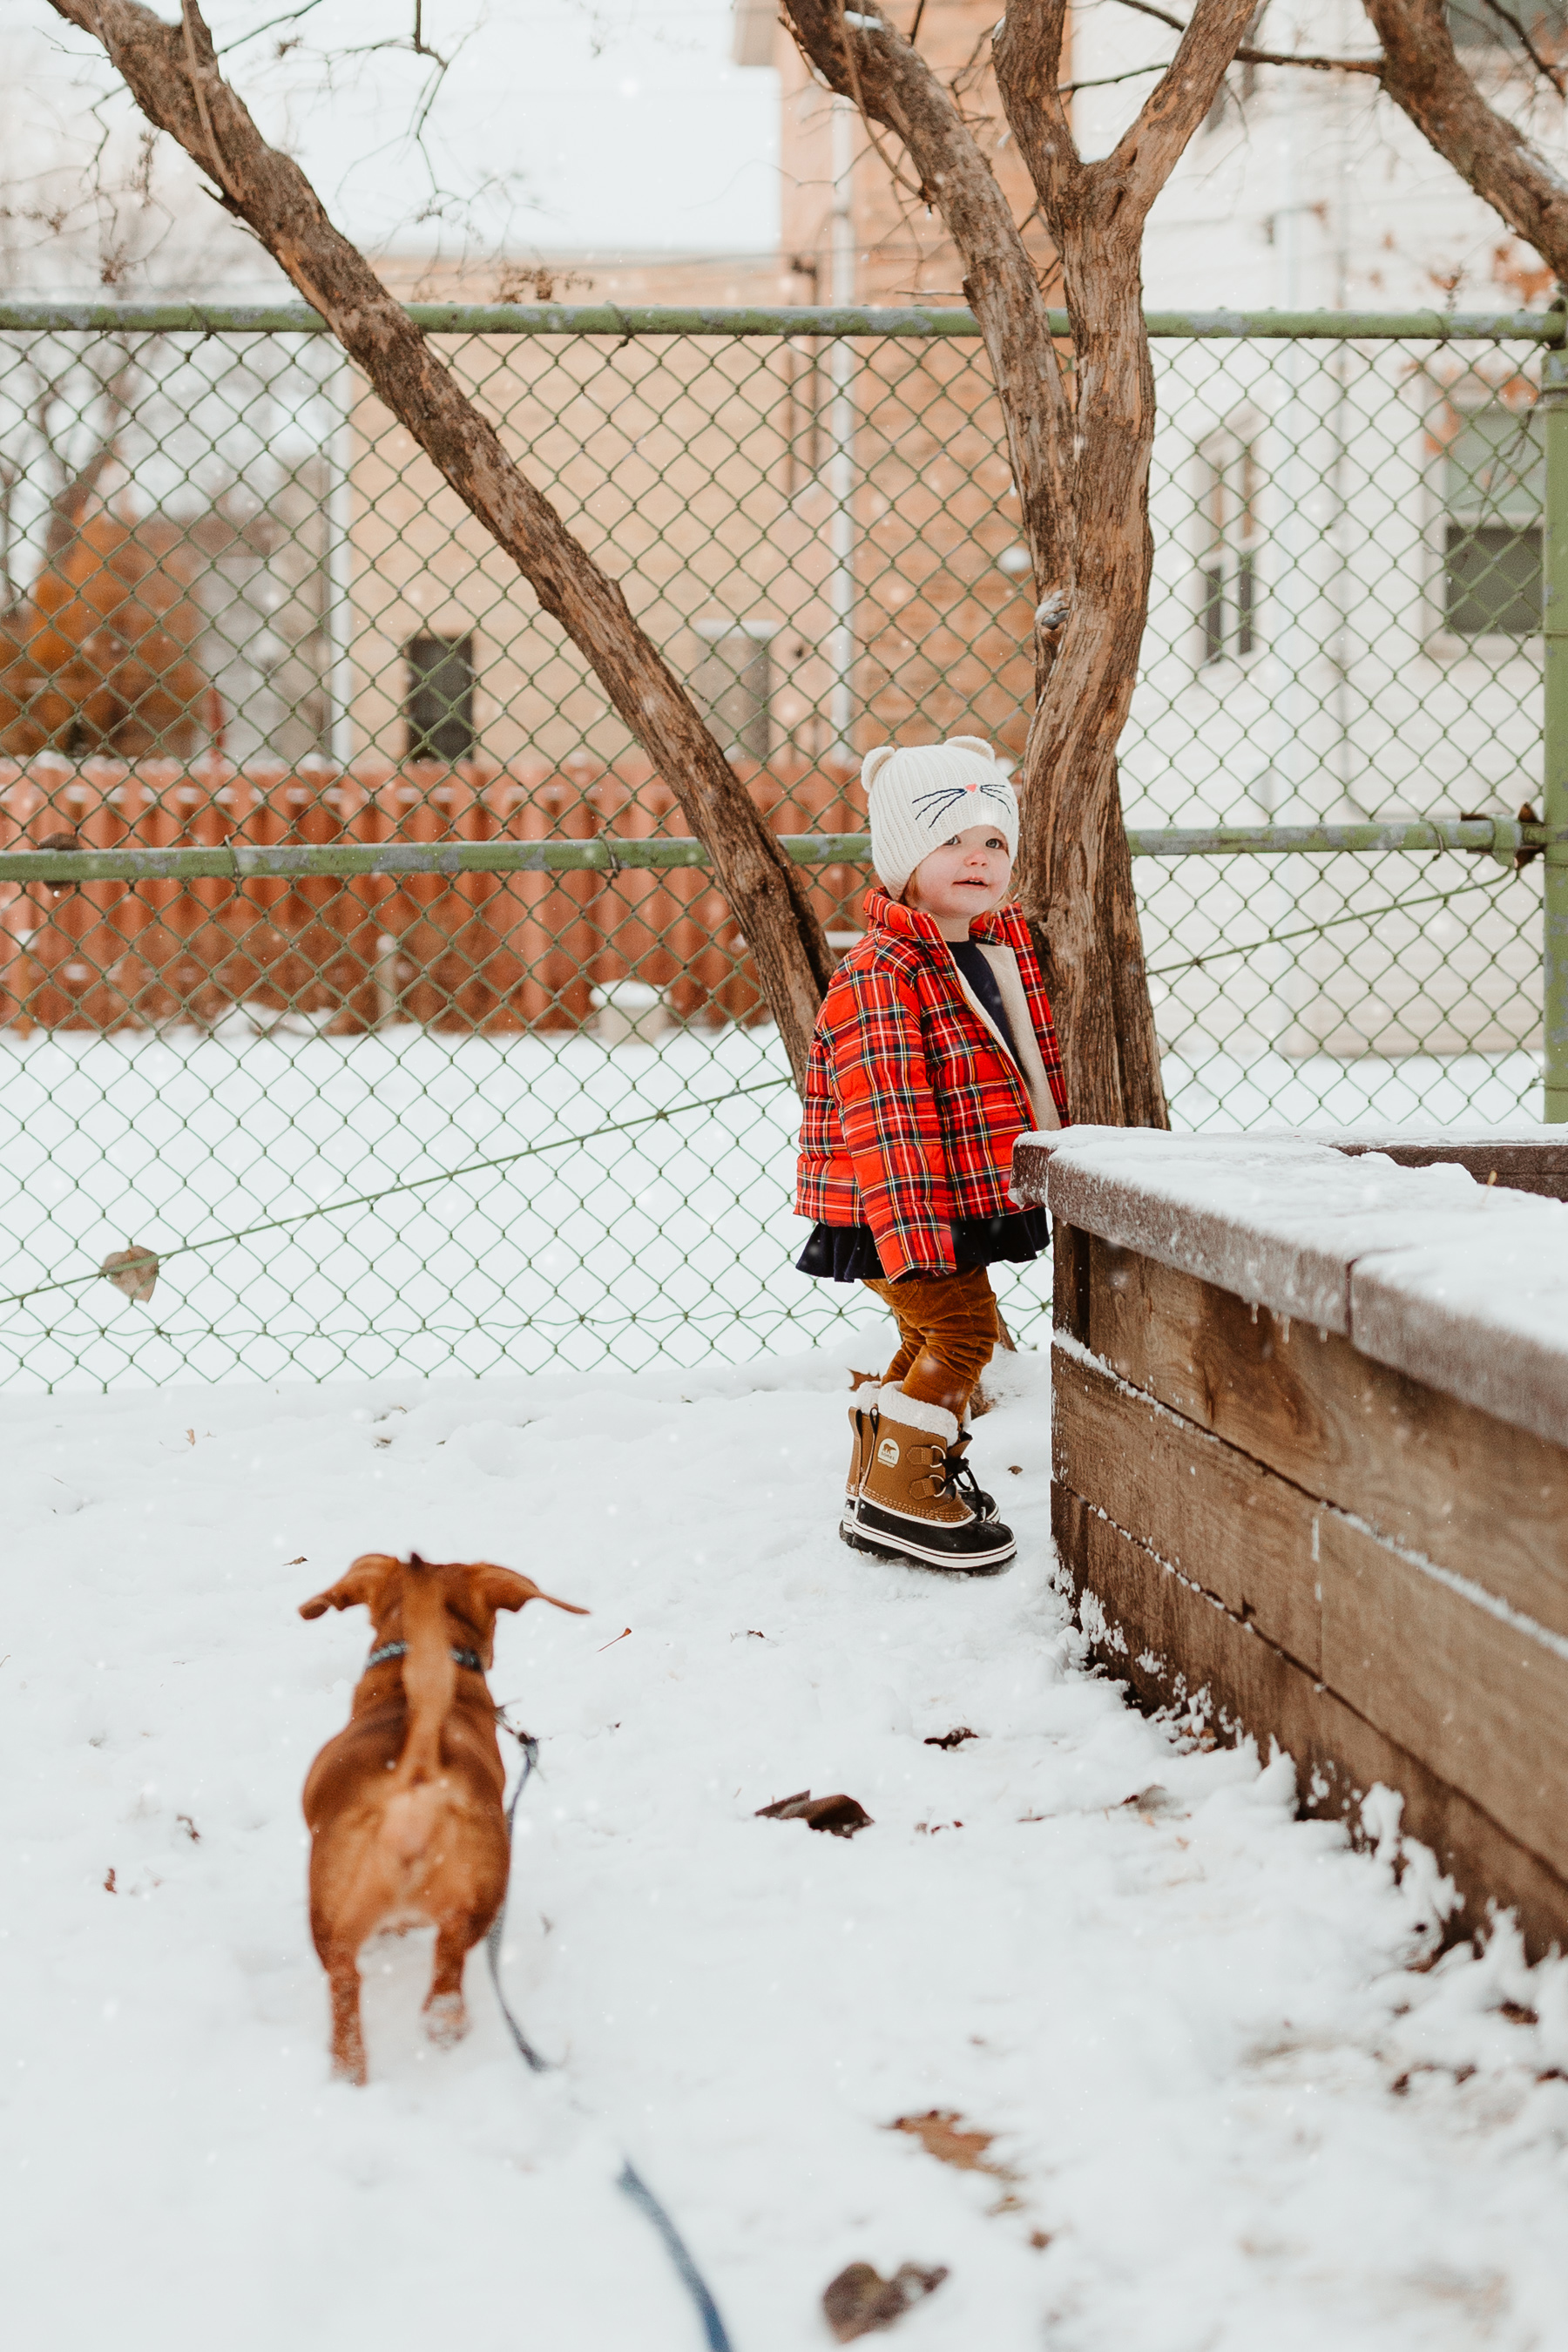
{"x":948,"y":809}
{"x":920,"y":794}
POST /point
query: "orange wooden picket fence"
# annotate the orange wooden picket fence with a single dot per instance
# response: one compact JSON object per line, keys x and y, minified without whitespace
{"x":476,"y":953}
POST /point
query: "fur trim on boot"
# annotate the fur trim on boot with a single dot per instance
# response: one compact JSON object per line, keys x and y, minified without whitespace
{"x":911,"y":1507}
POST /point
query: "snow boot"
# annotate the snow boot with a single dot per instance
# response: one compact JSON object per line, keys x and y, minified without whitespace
{"x":913,"y":1505}
{"x":863,"y":1429}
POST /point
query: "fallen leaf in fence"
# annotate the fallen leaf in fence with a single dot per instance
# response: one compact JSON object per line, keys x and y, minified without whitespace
{"x":952,"y":1738}
{"x":133,"y":1271}
{"x":840,"y":1815}
{"x":861,"y":2300}
{"x":938,"y":2132}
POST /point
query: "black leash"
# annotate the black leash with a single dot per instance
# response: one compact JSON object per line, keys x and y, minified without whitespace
{"x":525,"y":2048}
{"x":629,"y":2180}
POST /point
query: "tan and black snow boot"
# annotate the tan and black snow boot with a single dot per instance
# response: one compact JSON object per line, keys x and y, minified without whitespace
{"x":912,"y":1502}
{"x":863,"y":1432}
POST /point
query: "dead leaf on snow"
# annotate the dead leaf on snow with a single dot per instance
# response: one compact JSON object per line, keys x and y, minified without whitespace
{"x":859,"y":2301}
{"x":940,"y":2134}
{"x":840,"y":1815}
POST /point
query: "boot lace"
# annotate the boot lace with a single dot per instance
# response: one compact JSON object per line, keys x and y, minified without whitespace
{"x":960,"y":1479}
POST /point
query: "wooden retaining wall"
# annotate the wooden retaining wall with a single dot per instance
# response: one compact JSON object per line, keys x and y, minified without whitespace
{"x":482,"y":951}
{"x":1311,"y":1467}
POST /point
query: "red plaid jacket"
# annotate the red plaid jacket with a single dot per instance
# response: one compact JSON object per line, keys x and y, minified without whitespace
{"x":911,"y":1106}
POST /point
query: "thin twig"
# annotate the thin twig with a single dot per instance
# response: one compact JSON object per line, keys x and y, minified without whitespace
{"x":1248,"y":57}
{"x":421,"y":48}
{"x":1103,"y":81}
{"x":967,"y":67}
{"x":1553,"y":74}
{"x":287,"y":16}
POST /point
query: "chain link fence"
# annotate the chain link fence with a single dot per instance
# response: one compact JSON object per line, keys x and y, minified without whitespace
{"x":371,"y":985}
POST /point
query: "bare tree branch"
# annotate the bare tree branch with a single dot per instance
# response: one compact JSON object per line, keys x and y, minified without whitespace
{"x":172,"y":73}
{"x":1251,"y":56}
{"x":1548,"y":72}
{"x":1422,"y":75}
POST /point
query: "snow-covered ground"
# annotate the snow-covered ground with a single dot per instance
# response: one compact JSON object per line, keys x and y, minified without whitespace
{"x":1229,"y":2106}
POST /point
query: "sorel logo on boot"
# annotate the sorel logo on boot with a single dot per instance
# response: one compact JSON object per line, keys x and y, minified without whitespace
{"x":887,"y":1452}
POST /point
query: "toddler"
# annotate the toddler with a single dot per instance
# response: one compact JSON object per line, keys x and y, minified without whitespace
{"x":934,"y":1051}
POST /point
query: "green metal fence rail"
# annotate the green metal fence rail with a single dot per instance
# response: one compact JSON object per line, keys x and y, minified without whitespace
{"x":1500,"y":837}
{"x":365,"y":981}
{"x":915,"y":323}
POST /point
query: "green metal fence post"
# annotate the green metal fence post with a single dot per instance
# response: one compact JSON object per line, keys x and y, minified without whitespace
{"x":1554,"y":730}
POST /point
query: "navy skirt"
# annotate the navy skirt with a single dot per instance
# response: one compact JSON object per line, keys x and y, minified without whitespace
{"x":849,"y":1253}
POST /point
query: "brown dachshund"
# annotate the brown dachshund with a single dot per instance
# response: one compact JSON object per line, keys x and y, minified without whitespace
{"x":405,"y":1805}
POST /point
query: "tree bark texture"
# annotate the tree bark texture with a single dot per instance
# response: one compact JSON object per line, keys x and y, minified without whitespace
{"x":173,"y":74}
{"x":1421,"y":73}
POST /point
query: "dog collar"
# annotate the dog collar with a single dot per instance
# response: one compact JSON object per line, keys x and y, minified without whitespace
{"x":469,"y":1658}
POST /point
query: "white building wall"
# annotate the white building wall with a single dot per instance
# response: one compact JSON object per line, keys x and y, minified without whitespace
{"x":1357,"y":701}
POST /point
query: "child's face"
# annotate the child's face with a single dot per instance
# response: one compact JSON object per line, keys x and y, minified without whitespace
{"x":966,"y":877}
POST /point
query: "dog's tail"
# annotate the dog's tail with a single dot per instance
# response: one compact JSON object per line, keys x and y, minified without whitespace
{"x":429,"y":1674}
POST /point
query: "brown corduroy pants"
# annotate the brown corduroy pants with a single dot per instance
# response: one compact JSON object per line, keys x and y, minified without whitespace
{"x":947,"y":1335}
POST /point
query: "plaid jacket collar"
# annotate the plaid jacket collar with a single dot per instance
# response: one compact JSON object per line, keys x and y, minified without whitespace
{"x":883,"y":913}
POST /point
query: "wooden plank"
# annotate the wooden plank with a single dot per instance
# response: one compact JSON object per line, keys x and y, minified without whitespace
{"x":1194,"y":1210}
{"x":1478,"y":1496}
{"x":1522,"y":1163}
{"x":1462,"y":1285}
{"x":1488,"y":1326}
{"x":1210,"y":1511}
{"x":1171,"y":1642}
{"x":1070,"y":1271}
{"x":1537,"y":1164}
{"x":1480,"y":1699}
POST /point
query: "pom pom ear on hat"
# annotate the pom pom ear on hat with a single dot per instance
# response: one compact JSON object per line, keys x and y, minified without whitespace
{"x":919,"y":794}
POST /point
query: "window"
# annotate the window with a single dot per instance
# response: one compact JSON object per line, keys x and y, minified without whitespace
{"x":1230,"y":487}
{"x":438,"y":708}
{"x":733,"y":683}
{"x":1495,"y":487}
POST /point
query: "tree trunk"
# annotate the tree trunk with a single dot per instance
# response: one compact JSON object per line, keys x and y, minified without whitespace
{"x":1081,"y":461}
{"x":171,"y":72}
{"x":1075,"y":873}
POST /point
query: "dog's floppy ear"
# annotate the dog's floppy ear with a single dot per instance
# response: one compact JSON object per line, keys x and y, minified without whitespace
{"x":362,"y":1583}
{"x":501,"y":1587}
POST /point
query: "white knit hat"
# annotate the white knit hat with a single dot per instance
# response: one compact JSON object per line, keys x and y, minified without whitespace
{"x":920,"y":794}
